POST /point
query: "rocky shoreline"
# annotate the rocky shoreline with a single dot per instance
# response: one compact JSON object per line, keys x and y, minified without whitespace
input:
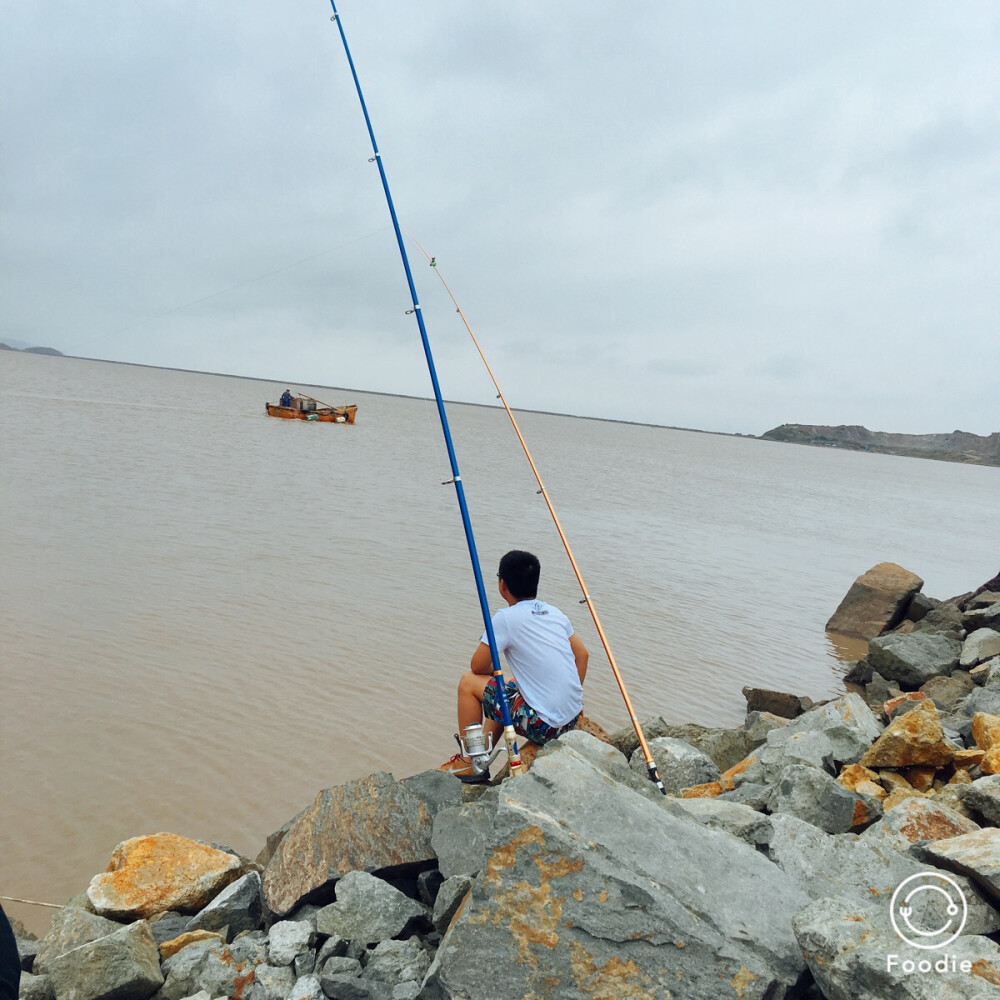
{"x":773,"y":869}
{"x":958,"y":446}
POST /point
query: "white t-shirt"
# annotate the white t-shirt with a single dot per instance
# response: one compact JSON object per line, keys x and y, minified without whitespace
{"x":534,"y":637}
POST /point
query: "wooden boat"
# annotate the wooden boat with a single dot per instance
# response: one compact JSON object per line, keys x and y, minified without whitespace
{"x":307,"y":408}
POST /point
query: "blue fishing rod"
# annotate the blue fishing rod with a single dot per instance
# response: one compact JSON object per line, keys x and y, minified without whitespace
{"x":510,"y":737}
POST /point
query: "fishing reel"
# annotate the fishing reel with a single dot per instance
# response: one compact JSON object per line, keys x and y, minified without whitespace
{"x":480,"y":753}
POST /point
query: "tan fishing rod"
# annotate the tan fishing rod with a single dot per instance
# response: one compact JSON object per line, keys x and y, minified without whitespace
{"x":650,"y":763}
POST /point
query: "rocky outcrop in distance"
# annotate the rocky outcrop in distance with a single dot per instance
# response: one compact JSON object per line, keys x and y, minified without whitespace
{"x":958,"y":446}
{"x":33,"y":350}
{"x":771,"y":871}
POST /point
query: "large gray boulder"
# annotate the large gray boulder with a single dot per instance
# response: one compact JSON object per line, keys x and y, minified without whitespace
{"x":374,"y":824}
{"x":982,"y":645}
{"x":876,"y":602}
{"x":982,"y":797}
{"x":827,"y":737}
{"x":916,"y":821}
{"x":914,"y":658}
{"x":369,"y":910}
{"x":124,"y":965}
{"x":975,"y":854}
{"x":854,"y":954}
{"x":814,"y":796}
{"x":460,"y":836}
{"x":287,"y":939}
{"x":679,"y":764}
{"x":591,"y":889}
{"x":849,"y":867}
{"x":240,"y":907}
{"x":71,"y":927}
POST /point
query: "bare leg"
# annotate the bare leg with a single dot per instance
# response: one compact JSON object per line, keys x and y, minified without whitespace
{"x":470,"y":705}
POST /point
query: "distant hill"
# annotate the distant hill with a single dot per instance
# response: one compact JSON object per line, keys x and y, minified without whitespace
{"x":31,"y":350}
{"x":958,"y":446}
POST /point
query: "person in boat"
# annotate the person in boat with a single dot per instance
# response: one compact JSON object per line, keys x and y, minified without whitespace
{"x":286,"y":398}
{"x":547,"y":664}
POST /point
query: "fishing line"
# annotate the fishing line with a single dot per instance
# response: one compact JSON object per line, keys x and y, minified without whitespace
{"x":587,"y":599}
{"x":510,"y":737}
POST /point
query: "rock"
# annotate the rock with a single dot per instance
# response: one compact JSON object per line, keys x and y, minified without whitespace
{"x":734,"y":818}
{"x":397,"y":961}
{"x":240,"y":907}
{"x":368,"y":910}
{"x":985,"y":730}
{"x":35,"y":987}
{"x":948,"y":692}
{"x":903,"y":703}
{"x":70,"y":927}
{"x":920,"y":607}
{"x":946,"y":620}
{"x":147,"y":875}
{"x":913,"y":659}
{"x":679,"y":764}
{"x":876,"y":602}
{"x":307,"y":988}
{"x":220,"y":970}
{"x":983,"y":616}
{"x":979,"y":647}
{"x":436,"y":789}
{"x":987,"y":674}
{"x":625,"y":740}
{"x":124,"y":965}
{"x":788,"y":706}
{"x":879,"y":691}
{"x":976,"y":854}
{"x":340,"y":965}
{"x":750,"y":794}
{"x":724,"y":747}
{"x":453,"y":892}
{"x":917,"y":820}
{"x":982,"y":798}
{"x":812,"y":795}
{"x":911,"y":739}
{"x":575,"y":902}
{"x":170,"y":948}
{"x":757,"y":726}
{"x":826,"y":737}
{"x":460,"y":835}
{"x":167,"y":926}
{"x":348,"y":988}
{"x":982,"y":699}
{"x":373,"y":824}
{"x":288,"y":939}
{"x":854,"y":954}
{"x":856,"y":868}
{"x":862,"y":780}
{"x":271,"y":983}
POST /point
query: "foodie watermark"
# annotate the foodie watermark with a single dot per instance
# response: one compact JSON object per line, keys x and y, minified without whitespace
{"x":928,"y":911}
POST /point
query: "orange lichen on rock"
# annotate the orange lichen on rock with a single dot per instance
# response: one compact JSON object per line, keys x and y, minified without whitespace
{"x":614,"y":978}
{"x":990,"y":764}
{"x":913,"y":739}
{"x":863,"y":780}
{"x":163,"y":871}
{"x":968,"y":758}
{"x":171,"y":947}
{"x":707,"y":791}
{"x":985,"y":729}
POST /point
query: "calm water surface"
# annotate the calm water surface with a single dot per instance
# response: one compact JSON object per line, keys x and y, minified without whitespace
{"x":207,"y":615}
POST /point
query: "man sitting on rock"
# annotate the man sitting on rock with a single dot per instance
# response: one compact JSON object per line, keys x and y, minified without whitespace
{"x":546,"y":659}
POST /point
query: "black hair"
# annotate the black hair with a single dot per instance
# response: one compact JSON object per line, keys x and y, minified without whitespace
{"x":520,"y":571}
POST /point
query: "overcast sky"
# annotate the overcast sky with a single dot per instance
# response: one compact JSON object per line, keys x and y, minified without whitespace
{"x":721,"y":216}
